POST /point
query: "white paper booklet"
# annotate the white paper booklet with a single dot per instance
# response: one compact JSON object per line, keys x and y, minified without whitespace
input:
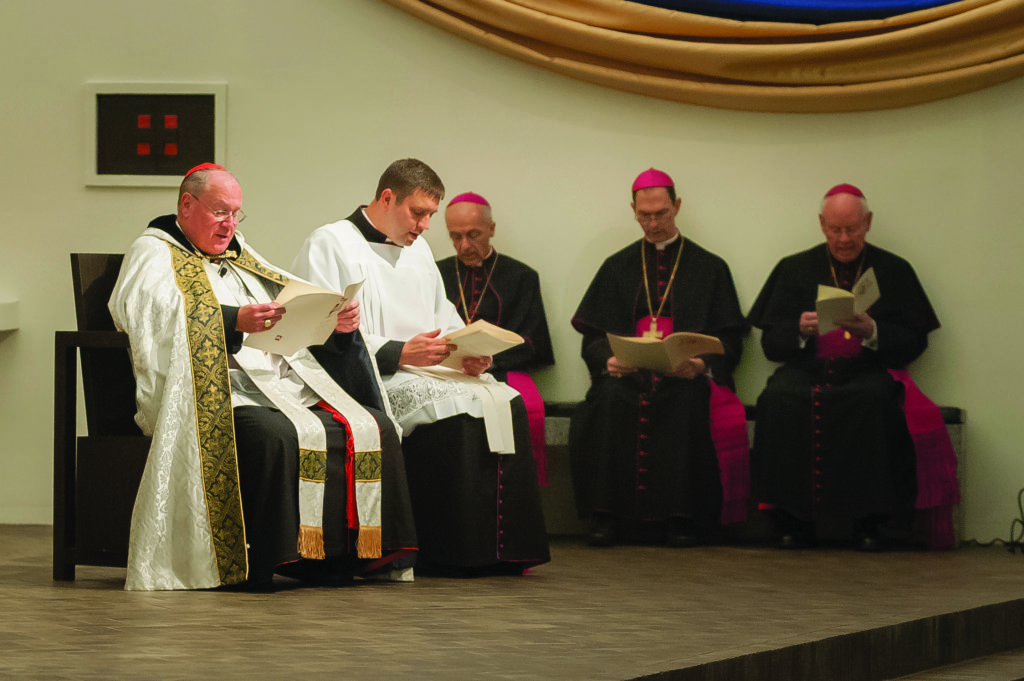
{"x":479,"y":339}
{"x":835,"y":303}
{"x":663,"y":356}
{"x":310,"y":318}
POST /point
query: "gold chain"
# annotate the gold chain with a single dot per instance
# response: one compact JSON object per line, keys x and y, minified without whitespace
{"x":668,"y":288}
{"x":462,"y":294}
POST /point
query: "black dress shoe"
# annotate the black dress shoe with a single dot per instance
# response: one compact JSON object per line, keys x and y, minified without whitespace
{"x":680,"y":540}
{"x":794,"y":542}
{"x":680,"y":534}
{"x":603,"y":532}
{"x":870,"y":544}
{"x":326,"y":572}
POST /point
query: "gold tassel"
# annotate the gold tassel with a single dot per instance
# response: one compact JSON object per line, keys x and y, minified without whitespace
{"x":311,"y":542}
{"x":368,"y":543}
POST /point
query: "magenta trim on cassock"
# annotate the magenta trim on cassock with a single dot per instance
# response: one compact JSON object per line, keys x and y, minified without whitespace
{"x":937,"y":487}
{"x":728,"y":423}
{"x":522,"y":383}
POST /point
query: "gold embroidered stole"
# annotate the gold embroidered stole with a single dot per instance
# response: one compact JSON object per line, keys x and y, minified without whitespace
{"x":368,"y":490}
{"x":312,"y":460}
{"x":214,"y":419}
{"x":364,"y":436}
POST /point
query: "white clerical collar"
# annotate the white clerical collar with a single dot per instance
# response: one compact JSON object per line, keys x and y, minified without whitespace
{"x":224,"y":255}
{"x":662,"y":245}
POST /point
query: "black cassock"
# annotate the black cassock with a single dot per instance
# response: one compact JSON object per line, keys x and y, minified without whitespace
{"x":641,"y":445}
{"x":510,"y":299}
{"x":472,"y":508}
{"x":831,"y":439}
{"x":268,"y":469}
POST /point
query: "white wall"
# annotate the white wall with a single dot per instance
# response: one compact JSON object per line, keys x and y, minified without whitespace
{"x":323,"y":94}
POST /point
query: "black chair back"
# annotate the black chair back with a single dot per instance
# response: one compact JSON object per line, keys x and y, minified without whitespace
{"x":108,"y":383}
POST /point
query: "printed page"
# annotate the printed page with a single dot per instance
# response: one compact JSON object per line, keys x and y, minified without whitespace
{"x":662,"y":356}
{"x":312,"y":314}
{"x":834,"y":304}
{"x":479,"y":339}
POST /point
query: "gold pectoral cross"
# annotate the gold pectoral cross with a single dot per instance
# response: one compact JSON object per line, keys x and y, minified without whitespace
{"x":653,"y":332}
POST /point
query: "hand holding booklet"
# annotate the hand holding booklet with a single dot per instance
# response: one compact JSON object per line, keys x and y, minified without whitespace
{"x":312,"y":315}
{"x":663,"y":356}
{"x":835,"y":304}
{"x":477,"y":340}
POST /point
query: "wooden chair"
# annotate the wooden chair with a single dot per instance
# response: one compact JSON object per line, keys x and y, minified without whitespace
{"x":95,"y":477}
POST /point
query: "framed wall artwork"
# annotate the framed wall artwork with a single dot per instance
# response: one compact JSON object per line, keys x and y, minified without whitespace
{"x":150,"y":134}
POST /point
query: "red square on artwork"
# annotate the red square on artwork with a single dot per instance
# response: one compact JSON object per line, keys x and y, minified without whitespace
{"x":171,"y":121}
{"x":170,"y":149}
{"x":143,"y":149}
{"x":144,"y":121}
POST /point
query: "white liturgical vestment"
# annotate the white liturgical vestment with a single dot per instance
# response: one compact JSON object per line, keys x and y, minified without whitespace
{"x":402,"y":296}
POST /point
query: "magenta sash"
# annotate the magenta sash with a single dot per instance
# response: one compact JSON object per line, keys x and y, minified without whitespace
{"x":937,"y":487}
{"x":522,"y":383}
{"x":729,"y":433}
{"x":728,"y":424}
{"x":836,"y":344}
{"x":662,"y":324}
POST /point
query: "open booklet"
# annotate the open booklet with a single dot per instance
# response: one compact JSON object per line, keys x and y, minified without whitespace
{"x":660,"y":355}
{"x":478,"y":339}
{"x":311,"y":317}
{"x":834,"y":304}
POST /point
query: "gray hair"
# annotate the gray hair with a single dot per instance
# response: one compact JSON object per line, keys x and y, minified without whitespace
{"x":195,"y":183}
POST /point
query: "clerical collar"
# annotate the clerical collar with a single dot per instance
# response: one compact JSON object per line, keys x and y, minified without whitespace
{"x":846,"y":274}
{"x":169,"y":225}
{"x":483,"y":263}
{"x":469,"y":310}
{"x":366,"y":228}
{"x":662,"y":245}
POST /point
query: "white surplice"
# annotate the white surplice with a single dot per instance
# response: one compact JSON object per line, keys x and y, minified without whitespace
{"x":403,"y":295}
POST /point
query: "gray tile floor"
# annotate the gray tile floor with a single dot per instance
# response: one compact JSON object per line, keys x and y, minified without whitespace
{"x":616,"y":613}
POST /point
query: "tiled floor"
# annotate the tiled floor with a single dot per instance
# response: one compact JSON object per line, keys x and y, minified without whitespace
{"x":616,"y":613}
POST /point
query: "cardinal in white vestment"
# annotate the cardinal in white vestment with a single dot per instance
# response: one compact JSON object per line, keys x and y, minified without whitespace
{"x":259,"y":462}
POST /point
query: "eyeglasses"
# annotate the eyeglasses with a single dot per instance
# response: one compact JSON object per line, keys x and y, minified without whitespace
{"x":221,"y":215}
{"x":661,"y":216}
{"x":848,"y":231}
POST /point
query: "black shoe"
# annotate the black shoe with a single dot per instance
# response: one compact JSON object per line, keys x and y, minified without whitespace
{"x":327,"y":572}
{"x":866,"y":531}
{"x":793,"y":533}
{"x":680,"y":534}
{"x":603,"y":532}
{"x":869,"y":544}
{"x":794,"y":542}
{"x":680,"y":540}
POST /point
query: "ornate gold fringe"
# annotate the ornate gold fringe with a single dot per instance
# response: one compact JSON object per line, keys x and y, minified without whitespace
{"x":311,"y":542}
{"x":368,"y":543}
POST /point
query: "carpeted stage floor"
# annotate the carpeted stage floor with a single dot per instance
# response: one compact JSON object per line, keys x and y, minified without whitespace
{"x":745,"y":612}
